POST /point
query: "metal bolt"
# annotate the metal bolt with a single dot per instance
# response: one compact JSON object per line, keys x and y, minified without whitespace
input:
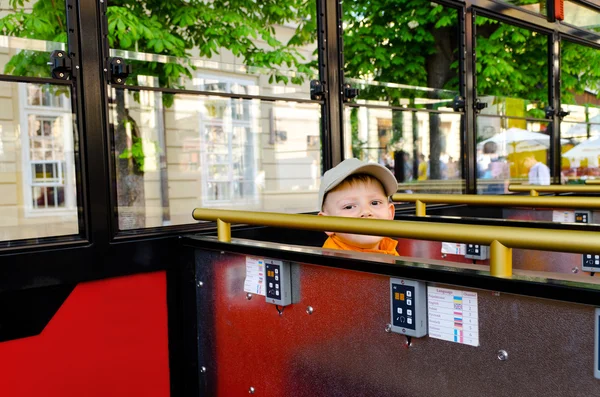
{"x":309,"y":310}
{"x":444,"y":255}
{"x":61,"y":75}
{"x":203,"y":369}
{"x":502,"y":355}
{"x":388,"y":328}
{"x":248,"y":296}
{"x":119,"y":80}
{"x":76,"y":66}
{"x":251,"y":390}
{"x":118,"y":61}
{"x":60,"y":54}
{"x":575,"y":270}
{"x":106,"y":70}
{"x":200,"y":283}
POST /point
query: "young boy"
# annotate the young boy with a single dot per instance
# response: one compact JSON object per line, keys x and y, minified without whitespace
{"x":358,"y":190}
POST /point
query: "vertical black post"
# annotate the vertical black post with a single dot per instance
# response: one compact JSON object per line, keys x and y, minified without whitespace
{"x":554,"y":160}
{"x":468,"y":87}
{"x":331,"y":73}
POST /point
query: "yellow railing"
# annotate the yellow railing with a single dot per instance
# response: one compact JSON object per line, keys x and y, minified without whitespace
{"x":421,"y":200}
{"x":501,"y":239}
{"x":592,"y":182}
{"x":534,"y":190}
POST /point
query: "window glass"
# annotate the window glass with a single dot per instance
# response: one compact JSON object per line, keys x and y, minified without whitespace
{"x":580,"y":128}
{"x":404,"y":59}
{"x":179,"y":46}
{"x":210,"y":151}
{"x":581,"y":16}
{"x":29,"y":32}
{"x":537,"y":6}
{"x":37,"y":168}
{"x":513,"y":135}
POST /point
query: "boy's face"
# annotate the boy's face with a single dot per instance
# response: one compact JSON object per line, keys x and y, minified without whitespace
{"x":359,"y":200}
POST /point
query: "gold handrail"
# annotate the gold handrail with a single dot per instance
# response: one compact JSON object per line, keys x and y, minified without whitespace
{"x":501,"y":239}
{"x":592,"y":182}
{"x":535,"y":189}
{"x":421,"y":200}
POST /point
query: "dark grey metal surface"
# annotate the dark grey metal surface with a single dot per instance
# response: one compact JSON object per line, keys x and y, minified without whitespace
{"x":342,"y":348}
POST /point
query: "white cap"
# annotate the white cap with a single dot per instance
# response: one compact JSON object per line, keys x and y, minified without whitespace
{"x":352,"y":166}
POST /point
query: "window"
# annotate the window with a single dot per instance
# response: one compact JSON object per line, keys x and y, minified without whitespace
{"x":47,"y":151}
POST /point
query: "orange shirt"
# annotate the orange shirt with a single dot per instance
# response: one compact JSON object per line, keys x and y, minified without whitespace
{"x":386,"y":246}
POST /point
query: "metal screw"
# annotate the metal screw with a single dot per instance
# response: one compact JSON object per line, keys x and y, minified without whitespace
{"x":76,"y":66}
{"x":60,"y":54}
{"x":118,"y":61}
{"x":203,"y":369}
{"x":106,"y":70}
{"x":61,"y":75}
{"x":119,"y":80}
{"x":502,"y":355}
{"x":575,"y":270}
{"x":251,"y":390}
{"x":388,"y":328}
{"x":444,"y":255}
{"x":309,"y":310}
{"x":248,"y":296}
{"x":200,"y":283}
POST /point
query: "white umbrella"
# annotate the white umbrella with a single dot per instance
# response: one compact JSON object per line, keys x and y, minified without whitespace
{"x":518,"y":140}
{"x":589,"y":149}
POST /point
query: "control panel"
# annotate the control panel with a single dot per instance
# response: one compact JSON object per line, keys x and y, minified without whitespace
{"x":408,"y":307}
{"x":476,"y":251}
{"x":589,"y":262}
{"x":279,"y":285}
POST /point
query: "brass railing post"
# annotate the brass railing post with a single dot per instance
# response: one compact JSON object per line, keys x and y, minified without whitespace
{"x":224,"y":231}
{"x":420,"y":208}
{"x":500,"y":260}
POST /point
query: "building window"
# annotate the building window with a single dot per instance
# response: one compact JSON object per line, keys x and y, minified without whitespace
{"x":227,"y":143}
{"x":47,"y":142}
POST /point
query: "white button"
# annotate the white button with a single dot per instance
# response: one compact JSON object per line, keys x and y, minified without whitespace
{"x":597,"y":262}
{"x":597,"y":256}
{"x":277,"y":293}
{"x":470,"y":245}
{"x":276,"y":271}
{"x":409,"y":293}
{"x":409,"y":320}
{"x":409,"y":302}
{"x":270,"y":285}
{"x":409,"y":312}
{"x":589,"y":256}
{"x":399,"y":310}
{"x":277,"y":286}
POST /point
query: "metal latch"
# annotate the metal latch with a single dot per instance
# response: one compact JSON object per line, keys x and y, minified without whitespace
{"x":317,"y":90}
{"x":458,"y":104}
{"x":479,"y":106}
{"x":118,"y":70}
{"x":350,"y":92}
{"x":61,"y":65}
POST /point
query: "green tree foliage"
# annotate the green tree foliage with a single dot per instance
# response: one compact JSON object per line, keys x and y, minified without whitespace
{"x":178,"y":29}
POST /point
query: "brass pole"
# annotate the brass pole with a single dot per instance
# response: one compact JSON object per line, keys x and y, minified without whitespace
{"x":592,"y":182}
{"x":591,"y":188}
{"x":224,"y":231}
{"x":500,"y":260}
{"x":511,"y":200}
{"x":534,"y":193}
{"x":420,"y":208}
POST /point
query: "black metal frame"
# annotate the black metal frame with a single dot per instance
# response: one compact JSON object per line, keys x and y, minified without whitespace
{"x":101,"y":251}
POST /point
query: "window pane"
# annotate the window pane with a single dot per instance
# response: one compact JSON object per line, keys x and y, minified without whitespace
{"x":581,"y":16}
{"x":537,"y":6}
{"x":173,"y":156}
{"x":37,"y":168}
{"x":29,"y":32}
{"x":412,"y":63}
{"x":580,"y":129}
{"x":512,"y":69}
{"x":270,"y":48}
{"x":511,"y":150}
{"x":401,"y":141}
